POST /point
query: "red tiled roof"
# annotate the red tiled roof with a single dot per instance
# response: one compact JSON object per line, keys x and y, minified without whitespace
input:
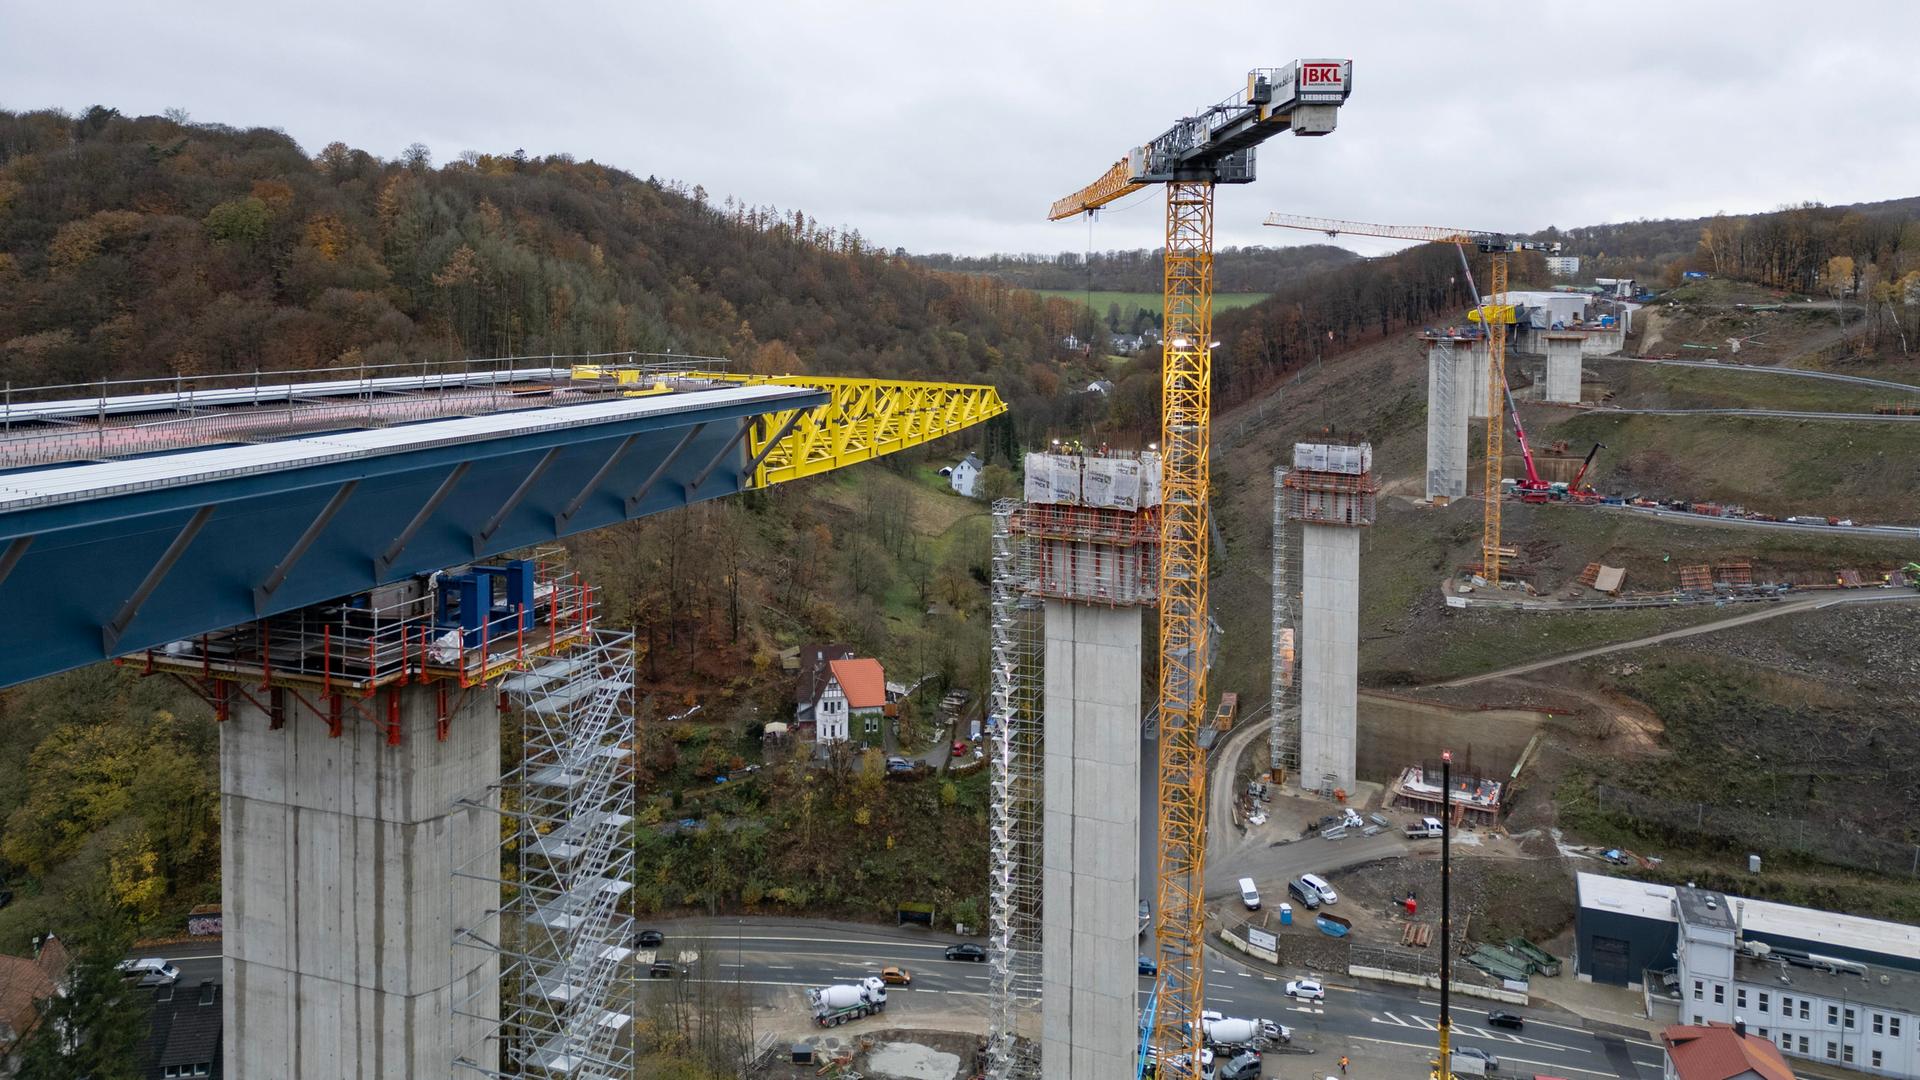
{"x":863,"y":681}
{"x":1715,"y":1052}
{"x":24,"y":982}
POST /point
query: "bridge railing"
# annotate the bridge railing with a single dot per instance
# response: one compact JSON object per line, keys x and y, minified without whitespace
{"x":42,"y":425}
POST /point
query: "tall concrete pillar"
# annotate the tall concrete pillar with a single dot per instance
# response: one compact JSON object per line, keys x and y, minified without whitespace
{"x":338,"y":896}
{"x":1329,"y":668}
{"x":1477,"y":355}
{"x":1563,"y":367}
{"x":1448,"y":388}
{"x":1090,"y":865}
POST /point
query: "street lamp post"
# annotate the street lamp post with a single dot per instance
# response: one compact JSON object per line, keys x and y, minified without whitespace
{"x":1446,"y":912}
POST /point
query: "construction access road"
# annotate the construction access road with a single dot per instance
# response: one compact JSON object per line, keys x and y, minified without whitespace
{"x":1774,"y":414}
{"x":1802,"y":373}
{"x":1386,"y":1030}
{"x":1905,"y":532}
{"x":1770,"y":611}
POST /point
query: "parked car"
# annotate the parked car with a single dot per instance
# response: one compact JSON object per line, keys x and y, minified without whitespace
{"x":1308,"y":896}
{"x":899,"y":764}
{"x":1146,"y":916}
{"x":660,"y":969}
{"x":1306,"y":989}
{"x":966,"y":950}
{"x":959,"y":748}
{"x":649,"y":939}
{"x":1149,"y":966}
{"x":1319,"y":885}
{"x":1498,"y":1018}
{"x":896,"y":976}
{"x":148,"y":971}
{"x":1243,"y":1065}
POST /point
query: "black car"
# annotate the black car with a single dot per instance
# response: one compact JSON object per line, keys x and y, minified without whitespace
{"x":660,"y":969}
{"x":650,"y":939}
{"x":1506,"y":1020}
{"x":966,"y":951}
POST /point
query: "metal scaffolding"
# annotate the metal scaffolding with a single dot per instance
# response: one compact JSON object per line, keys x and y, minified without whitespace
{"x":1015,"y":814}
{"x":561,"y":934}
{"x":1283,"y":739}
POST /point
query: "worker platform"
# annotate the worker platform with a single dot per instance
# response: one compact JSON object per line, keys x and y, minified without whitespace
{"x":140,"y":516}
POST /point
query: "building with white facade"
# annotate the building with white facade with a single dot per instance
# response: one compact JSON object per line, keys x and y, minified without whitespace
{"x":1819,"y":985}
{"x":854,"y":693}
{"x":1563,"y":265}
{"x":962,"y":476}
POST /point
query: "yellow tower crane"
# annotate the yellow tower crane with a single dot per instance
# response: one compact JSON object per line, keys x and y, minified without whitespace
{"x":1493,"y":313}
{"x":1214,"y":146}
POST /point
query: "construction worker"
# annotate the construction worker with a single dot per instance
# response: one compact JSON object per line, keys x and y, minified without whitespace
{"x":1343,"y":1064}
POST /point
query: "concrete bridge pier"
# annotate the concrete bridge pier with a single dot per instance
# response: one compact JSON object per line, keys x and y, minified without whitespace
{"x":339,"y":901}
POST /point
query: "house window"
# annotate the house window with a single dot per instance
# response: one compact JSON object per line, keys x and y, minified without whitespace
{"x":1803,"y":1047}
{"x":1699,"y":990}
{"x":1876,"y":1059}
{"x":1719,"y":993}
{"x":1763,"y":1000}
{"x":1879,"y":1023}
{"x":1698,"y":1019}
{"x":1846,"y":1053}
{"x":203,"y":1069}
{"x":1833,"y":1051}
{"x":1849,"y":1024}
{"x":1764,"y":1035}
{"x":873,"y":724}
{"x":1893,"y":1026}
{"x":1786,"y":1006}
{"x":1833,"y":1015}
{"x":1739,"y":997}
{"x":1806,"y":1009}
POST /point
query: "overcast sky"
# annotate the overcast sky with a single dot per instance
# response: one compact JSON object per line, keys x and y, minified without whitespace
{"x":953,"y":126}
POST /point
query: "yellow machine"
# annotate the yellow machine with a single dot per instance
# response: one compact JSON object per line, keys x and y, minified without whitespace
{"x":1215,"y":146}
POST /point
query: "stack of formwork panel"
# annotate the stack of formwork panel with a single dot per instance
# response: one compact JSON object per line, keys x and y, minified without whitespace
{"x":1696,"y":579}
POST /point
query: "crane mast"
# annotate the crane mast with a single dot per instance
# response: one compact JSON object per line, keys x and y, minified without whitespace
{"x":1213,"y":146}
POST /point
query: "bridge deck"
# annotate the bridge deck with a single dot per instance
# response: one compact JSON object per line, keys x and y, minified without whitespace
{"x":104,"y":558}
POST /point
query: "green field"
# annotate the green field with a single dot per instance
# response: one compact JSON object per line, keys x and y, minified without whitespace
{"x":1129,"y":302}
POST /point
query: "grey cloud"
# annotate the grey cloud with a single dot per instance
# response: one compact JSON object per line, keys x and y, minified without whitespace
{"x":952,"y":127}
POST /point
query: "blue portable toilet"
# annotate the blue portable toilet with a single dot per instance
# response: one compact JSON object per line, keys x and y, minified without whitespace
{"x":1286,"y":914}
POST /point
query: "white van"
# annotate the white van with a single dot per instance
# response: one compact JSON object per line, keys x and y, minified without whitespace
{"x":1319,"y":884}
{"x":1249,"y":895}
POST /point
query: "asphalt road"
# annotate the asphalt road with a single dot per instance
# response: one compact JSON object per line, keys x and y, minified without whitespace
{"x":198,"y":961}
{"x":1381,"y":1027}
{"x":1777,"y":414}
{"x":1907,"y":531}
{"x":1801,"y":373}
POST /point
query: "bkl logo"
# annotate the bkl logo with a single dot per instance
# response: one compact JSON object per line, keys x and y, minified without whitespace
{"x":1319,"y":74}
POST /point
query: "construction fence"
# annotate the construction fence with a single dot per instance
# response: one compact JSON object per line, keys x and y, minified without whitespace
{"x":1759,"y":833}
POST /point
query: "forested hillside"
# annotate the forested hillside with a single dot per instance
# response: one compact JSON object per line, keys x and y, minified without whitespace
{"x":133,"y":247}
{"x":1787,"y":248}
{"x":142,"y":246}
{"x":1235,"y":269}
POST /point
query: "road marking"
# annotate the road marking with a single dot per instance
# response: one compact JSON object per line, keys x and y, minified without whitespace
{"x":1428,"y":1048}
{"x":1504,"y":1038}
{"x":780,"y":967}
{"x":1576,"y":1030}
{"x":1271,"y":978}
{"x":1244,"y":974}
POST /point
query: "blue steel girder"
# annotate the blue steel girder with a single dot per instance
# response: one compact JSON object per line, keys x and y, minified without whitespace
{"x":87,"y":579}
